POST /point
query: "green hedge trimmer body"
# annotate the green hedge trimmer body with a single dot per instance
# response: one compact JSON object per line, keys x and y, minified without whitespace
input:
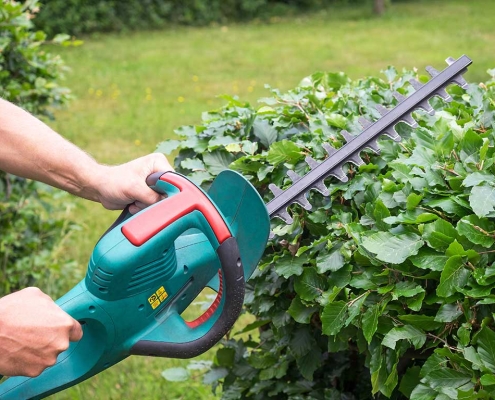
{"x":148,"y":268}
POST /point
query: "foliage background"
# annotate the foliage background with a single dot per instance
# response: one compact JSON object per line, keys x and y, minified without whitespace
{"x":32,"y":229}
{"x":385,"y":287}
{"x":83,"y":16}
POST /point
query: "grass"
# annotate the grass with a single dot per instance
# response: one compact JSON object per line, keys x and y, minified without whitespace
{"x":133,"y":90}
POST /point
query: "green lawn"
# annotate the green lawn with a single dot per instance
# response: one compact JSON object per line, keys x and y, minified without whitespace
{"x":133,"y":90}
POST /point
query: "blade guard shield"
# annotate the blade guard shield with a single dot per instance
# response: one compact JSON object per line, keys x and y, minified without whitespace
{"x":147,"y":269}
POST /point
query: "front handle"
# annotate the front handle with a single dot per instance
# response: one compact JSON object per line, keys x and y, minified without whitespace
{"x":185,"y":198}
{"x":233,"y":298}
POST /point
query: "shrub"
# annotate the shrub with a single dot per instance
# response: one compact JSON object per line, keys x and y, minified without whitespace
{"x":385,"y":288}
{"x":85,"y":16}
{"x":30,"y":229}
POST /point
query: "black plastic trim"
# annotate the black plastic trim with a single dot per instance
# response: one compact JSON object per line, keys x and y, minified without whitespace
{"x":234,"y":289}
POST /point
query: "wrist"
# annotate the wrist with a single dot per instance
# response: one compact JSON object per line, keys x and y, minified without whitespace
{"x":89,"y":182}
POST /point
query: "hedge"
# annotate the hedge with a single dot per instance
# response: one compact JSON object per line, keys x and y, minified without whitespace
{"x":385,"y":289}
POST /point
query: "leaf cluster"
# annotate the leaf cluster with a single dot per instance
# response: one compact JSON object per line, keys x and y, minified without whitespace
{"x":385,"y":289}
{"x":31,"y":229}
{"x":29,"y":74}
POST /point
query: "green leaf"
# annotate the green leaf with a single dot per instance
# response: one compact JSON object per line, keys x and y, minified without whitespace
{"x":423,"y":322}
{"x":284,"y":152}
{"x":453,"y":276}
{"x":300,"y":312}
{"x":255,"y":325}
{"x":423,"y":392}
{"x":168,"y":146}
{"x":482,"y":199}
{"x":429,"y":259}
{"x":392,"y":248}
{"x":407,"y":332}
{"x":439,"y":234}
{"x":217,"y":161}
{"x":333,"y":317}
{"x":193,"y":164}
{"x":409,"y":381}
{"x":309,"y":363}
{"x":288,"y":266}
{"x":406,"y":289}
{"x":301,"y":341}
{"x":486,"y":348}
{"x":370,"y":321}
{"x":446,"y":378}
{"x":336,"y":120}
{"x":225,"y":357}
{"x":332,"y":261}
{"x":310,"y":284}
{"x":487,"y":380}
{"x":477,"y":230}
{"x":214,"y":375}
{"x":448,"y":313}
{"x":413,"y":200}
{"x":475,"y":178}
{"x":177,"y":374}
{"x":265,"y":132}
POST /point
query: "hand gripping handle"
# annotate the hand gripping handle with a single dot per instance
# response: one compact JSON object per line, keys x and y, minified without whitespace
{"x":190,"y":198}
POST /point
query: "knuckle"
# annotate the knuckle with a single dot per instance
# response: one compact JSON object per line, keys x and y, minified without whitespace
{"x":34,"y":370}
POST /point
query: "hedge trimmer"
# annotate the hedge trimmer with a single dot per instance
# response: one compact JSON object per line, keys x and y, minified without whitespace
{"x":148,"y":268}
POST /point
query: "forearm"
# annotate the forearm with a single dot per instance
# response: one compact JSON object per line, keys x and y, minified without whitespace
{"x":30,"y":149}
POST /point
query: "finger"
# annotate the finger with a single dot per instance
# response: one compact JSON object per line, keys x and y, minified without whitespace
{"x":76,"y":332}
{"x":160,"y":162}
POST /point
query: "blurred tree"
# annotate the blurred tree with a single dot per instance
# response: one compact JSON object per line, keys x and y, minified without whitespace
{"x":378,"y":7}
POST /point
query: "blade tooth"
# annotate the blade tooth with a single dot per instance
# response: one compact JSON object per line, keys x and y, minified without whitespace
{"x":407,"y":118}
{"x":275,"y":189}
{"x":399,"y":97}
{"x":347,"y":136}
{"x":293,"y":176}
{"x":460,"y":81}
{"x":329,"y":149}
{"x":356,"y":160}
{"x":321,"y":188}
{"x":311,"y":162}
{"x":415,"y":84}
{"x":373,"y":146}
{"x":382,"y":110}
{"x":338,"y":173}
{"x":284,"y":216}
{"x":426,"y":106}
{"x":364,"y":122}
{"x":450,"y":60}
{"x":443,"y":94}
{"x":393,"y":135}
{"x":432,"y":71}
{"x":303,"y":202}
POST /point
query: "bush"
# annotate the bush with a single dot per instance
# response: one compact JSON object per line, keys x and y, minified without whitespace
{"x":384,"y":290}
{"x":31,"y":231}
{"x":85,"y":16}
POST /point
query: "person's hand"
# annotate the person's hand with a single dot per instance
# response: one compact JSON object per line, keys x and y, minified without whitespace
{"x":121,"y":185}
{"x":33,"y":332}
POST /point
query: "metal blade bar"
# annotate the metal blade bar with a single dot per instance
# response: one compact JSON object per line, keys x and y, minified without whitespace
{"x":281,"y":201}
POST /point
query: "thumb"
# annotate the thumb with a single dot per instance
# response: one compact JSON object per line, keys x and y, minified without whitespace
{"x":76,"y":332}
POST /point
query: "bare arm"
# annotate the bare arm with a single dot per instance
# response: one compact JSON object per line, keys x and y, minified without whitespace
{"x":31,"y":149}
{"x":32,"y":336}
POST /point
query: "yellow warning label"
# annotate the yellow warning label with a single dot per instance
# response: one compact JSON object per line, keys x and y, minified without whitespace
{"x":156,"y":298}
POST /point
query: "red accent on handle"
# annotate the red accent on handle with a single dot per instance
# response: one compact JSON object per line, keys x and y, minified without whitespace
{"x":211,"y":310}
{"x":146,"y":225}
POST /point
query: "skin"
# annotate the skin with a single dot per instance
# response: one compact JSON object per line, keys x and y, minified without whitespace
{"x":33,"y":329}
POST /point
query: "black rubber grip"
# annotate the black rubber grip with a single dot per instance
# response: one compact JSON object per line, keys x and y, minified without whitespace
{"x":233,"y":275}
